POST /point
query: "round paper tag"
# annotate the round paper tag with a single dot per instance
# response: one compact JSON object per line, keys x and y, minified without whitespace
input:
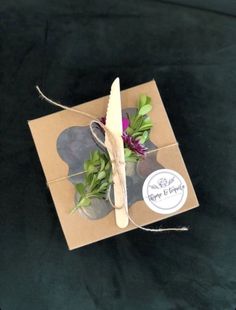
{"x":165,"y":191}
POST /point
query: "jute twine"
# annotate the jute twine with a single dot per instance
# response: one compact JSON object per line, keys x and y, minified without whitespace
{"x":115,"y":159}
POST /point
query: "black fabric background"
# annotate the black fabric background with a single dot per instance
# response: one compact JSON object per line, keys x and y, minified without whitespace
{"x":73,"y":50}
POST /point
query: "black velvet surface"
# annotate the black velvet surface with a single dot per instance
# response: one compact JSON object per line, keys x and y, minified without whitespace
{"x":73,"y":50}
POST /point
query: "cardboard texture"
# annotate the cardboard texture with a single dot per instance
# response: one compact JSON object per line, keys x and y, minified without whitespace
{"x":78,"y":230}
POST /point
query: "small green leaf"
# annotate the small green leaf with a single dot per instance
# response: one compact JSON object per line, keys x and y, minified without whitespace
{"x":103,"y":163}
{"x":96,"y":155}
{"x":84,"y":202}
{"x":80,"y":188}
{"x":142,"y":101}
{"x":110,"y":178}
{"x":89,"y":178}
{"x":144,"y":137}
{"x":93,"y":182}
{"x":134,"y":158}
{"x":103,"y":186}
{"x":145,"y":109}
{"x":137,"y":123}
{"x":91,"y":168}
{"x":129,"y":130}
{"x":108,"y":166}
{"x":147,"y":120}
{"x":148,"y":100}
{"x":137,"y":134}
{"x":101,"y":175}
{"x":127,"y":152}
{"x":145,"y":127}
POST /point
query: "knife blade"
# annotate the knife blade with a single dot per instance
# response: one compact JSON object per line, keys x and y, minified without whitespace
{"x":114,"y":125}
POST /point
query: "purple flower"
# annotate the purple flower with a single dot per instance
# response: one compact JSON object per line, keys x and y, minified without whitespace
{"x":103,"y":120}
{"x":125,"y":122}
{"x":134,"y":144}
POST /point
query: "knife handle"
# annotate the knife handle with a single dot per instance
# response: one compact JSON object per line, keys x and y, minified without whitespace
{"x":120,"y":189}
{"x":120,"y":197}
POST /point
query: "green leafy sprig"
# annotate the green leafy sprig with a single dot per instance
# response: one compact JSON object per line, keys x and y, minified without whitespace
{"x":139,"y":123}
{"x":139,"y":126}
{"x":97,"y":179}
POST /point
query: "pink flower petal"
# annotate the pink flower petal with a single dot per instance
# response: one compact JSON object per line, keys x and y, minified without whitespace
{"x":125,"y":123}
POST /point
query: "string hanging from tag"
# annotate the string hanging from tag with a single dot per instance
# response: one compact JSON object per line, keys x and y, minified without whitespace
{"x":94,"y":119}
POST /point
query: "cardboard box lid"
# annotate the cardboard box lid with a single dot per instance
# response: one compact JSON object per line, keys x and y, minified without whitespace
{"x":78,"y":230}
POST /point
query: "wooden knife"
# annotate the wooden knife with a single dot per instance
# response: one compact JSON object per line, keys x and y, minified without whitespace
{"x":114,"y":125}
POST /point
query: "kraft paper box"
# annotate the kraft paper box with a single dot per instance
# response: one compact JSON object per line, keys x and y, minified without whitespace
{"x":62,"y":144}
